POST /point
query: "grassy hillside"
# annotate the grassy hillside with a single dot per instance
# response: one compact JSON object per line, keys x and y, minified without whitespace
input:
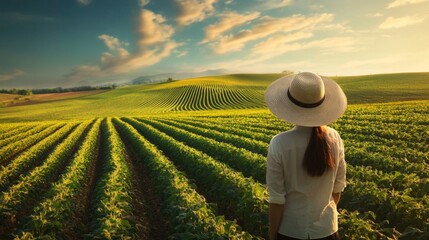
{"x":238,"y":91}
{"x":380,"y":88}
{"x":161,"y":157}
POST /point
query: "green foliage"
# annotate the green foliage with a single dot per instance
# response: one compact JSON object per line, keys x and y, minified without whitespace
{"x":41,"y":175}
{"x":239,"y":196}
{"x":113,"y":214}
{"x":380,"y":88}
{"x":54,"y":214}
{"x":208,"y":94}
{"x":250,"y":164}
{"x":12,"y":147}
{"x":203,"y":143}
{"x":190,"y":215}
{"x":10,"y":173}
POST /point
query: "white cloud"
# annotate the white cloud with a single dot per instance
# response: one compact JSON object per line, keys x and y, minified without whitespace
{"x":153,"y":29}
{"x":113,"y":43}
{"x":143,"y":2}
{"x":154,"y":44}
{"x":267,"y":27}
{"x":279,"y":41}
{"x":398,"y":3}
{"x":84,"y":2}
{"x":227,"y":22}
{"x":11,"y":75}
{"x":117,"y":50}
{"x":400,"y":22}
{"x":194,"y":11}
{"x":275,"y":4}
{"x":228,"y":1}
{"x":261,"y":53}
{"x":283,"y":45}
{"x":146,"y":58}
{"x":334,"y":44}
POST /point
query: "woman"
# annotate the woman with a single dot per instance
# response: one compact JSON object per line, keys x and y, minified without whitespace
{"x":306,"y":170}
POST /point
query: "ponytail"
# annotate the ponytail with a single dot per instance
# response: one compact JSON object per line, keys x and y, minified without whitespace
{"x":318,"y":156}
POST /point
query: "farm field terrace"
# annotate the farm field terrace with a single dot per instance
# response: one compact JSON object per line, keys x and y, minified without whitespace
{"x":194,"y":166}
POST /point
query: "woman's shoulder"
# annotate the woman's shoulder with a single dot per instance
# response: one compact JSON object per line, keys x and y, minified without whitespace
{"x":288,"y":135}
{"x":332,"y":133}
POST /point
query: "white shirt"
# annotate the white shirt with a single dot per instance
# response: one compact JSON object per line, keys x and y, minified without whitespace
{"x":310,"y":210}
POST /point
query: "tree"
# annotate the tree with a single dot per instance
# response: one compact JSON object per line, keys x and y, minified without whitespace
{"x":25,"y":92}
{"x":169,"y":79}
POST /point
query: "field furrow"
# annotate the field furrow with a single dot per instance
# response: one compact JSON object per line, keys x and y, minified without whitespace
{"x":14,"y":148}
{"x":237,"y":197}
{"x":249,"y":144}
{"x":112,"y":203}
{"x":188,"y":211}
{"x":32,"y":157}
{"x":31,"y":187}
{"x":60,"y":214}
{"x":10,"y":133}
{"x":246,"y":162}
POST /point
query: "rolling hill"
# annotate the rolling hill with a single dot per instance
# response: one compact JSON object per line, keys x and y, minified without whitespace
{"x":237,"y":91}
{"x":189,"y":157}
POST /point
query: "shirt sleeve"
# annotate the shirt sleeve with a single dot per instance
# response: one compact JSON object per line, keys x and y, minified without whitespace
{"x":275,"y":181}
{"x":340,"y":179}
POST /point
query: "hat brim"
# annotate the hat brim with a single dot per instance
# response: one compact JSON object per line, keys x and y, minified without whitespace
{"x":331,"y":109}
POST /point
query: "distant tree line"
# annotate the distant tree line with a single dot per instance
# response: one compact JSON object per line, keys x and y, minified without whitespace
{"x":26,"y":92}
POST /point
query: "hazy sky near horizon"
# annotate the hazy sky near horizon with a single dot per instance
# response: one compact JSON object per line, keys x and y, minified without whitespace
{"x":48,"y":43}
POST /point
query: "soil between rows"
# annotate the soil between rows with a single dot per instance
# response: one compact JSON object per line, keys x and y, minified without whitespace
{"x":150,"y":222}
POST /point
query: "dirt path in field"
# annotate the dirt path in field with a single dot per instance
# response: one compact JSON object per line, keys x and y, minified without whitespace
{"x":146,"y":202}
{"x":84,"y":213}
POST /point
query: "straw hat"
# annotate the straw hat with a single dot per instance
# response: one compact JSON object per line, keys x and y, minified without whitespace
{"x":306,"y":99}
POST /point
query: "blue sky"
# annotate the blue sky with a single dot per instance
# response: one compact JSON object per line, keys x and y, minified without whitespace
{"x":48,"y":43}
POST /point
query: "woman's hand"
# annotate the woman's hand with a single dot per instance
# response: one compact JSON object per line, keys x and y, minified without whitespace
{"x":272,"y":236}
{"x":275,"y":218}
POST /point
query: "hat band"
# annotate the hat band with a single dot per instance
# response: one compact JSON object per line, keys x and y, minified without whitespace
{"x":304,"y":105}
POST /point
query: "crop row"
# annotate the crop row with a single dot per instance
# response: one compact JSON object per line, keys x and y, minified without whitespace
{"x":113,"y":208}
{"x":202,"y":97}
{"x":15,"y":147}
{"x":189,"y":161}
{"x":415,"y":157}
{"x":393,"y":206}
{"x":12,"y":133}
{"x":391,"y":210}
{"x":31,"y":157}
{"x":250,"y":164}
{"x":236,"y":196}
{"x":190,"y":215}
{"x":53,"y":216}
{"x":21,"y":134}
{"x":30,"y":186}
{"x":394,"y":156}
{"x":219,"y":139}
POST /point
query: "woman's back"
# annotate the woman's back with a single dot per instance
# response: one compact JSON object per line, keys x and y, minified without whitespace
{"x":310,"y":210}
{"x":305,"y":166}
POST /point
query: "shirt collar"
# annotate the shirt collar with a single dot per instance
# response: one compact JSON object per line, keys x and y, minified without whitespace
{"x":296,"y":127}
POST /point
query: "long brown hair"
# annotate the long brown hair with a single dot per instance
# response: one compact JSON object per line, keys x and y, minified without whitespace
{"x":318,"y":156}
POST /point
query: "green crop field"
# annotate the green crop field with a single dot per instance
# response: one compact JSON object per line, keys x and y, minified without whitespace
{"x":186,"y":160}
